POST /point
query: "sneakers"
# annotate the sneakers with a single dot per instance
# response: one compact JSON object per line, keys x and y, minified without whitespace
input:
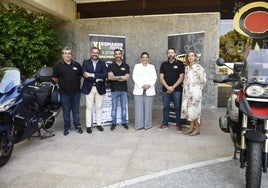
{"x":179,"y":128}
{"x":125,"y":126}
{"x":100,"y":128}
{"x":113,"y":127}
{"x":89,"y":130}
{"x":162,"y":127}
{"x":66,"y":132}
{"x":79,"y":130}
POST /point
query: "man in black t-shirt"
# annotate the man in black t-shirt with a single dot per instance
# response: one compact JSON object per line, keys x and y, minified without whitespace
{"x":118,"y":74}
{"x":171,"y":78}
{"x":67,"y":73}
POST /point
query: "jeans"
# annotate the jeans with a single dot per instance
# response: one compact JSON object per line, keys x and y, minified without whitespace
{"x":176,"y":98}
{"x":70,"y":103}
{"x":123,"y":103}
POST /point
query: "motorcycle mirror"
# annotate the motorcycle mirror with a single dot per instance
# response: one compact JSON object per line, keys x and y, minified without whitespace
{"x":220,"y":62}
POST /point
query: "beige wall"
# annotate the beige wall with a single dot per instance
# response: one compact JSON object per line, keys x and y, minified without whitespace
{"x":149,"y":33}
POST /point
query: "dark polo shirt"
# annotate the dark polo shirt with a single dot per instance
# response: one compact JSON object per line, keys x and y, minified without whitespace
{"x":69,"y":77}
{"x":117,"y":70}
{"x":172,"y":73}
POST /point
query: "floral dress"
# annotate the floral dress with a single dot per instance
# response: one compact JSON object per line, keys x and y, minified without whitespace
{"x":193,"y":84}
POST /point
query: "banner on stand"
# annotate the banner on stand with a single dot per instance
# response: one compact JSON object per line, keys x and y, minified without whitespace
{"x":186,"y":42}
{"x":107,"y":44}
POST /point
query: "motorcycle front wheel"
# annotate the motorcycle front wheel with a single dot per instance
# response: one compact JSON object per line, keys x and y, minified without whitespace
{"x":254,"y":165}
{"x":6,"y":148}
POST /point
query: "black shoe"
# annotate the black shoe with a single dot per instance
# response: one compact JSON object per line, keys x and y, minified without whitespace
{"x":125,"y":126}
{"x":79,"y":130}
{"x":89,"y":130}
{"x":113,"y":127}
{"x":100,"y":128}
{"x":66,"y":132}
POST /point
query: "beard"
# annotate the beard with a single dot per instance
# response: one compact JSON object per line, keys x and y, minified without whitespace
{"x":171,"y":58}
{"x":118,"y":58}
{"x":94,"y":57}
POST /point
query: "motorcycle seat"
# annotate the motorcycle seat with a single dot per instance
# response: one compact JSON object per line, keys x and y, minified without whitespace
{"x":43,"y":94}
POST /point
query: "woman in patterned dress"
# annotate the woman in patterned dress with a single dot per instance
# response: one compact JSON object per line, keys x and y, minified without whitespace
{"x":194,"y":81}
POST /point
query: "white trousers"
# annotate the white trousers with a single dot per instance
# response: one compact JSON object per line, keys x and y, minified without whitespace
{"x":90,"y":98}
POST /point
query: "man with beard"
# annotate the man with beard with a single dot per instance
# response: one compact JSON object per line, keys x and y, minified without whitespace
{"x":95,"y":74}
{"x":118,"y":74}
{"x":171,"y":78}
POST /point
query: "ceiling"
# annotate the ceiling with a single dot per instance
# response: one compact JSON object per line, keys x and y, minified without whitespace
{"x":112,"y":8}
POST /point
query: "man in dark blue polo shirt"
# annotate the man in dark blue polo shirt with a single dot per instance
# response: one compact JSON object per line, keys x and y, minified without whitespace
{"x":171,"y":78}
{"x":67,"y":73}
{"x":118,"y":74}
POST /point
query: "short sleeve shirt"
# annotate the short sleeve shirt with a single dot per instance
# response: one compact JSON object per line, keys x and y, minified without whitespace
{"x":118,"y":70}
{"x":172,"y":73}
{"x":69,"y":77}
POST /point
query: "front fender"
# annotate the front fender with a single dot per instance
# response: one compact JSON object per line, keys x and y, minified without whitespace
{"x":255,"y":136}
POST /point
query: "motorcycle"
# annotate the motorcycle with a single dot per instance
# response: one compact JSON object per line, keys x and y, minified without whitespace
{"x":247,"y":113}
{"x":25,"y":108}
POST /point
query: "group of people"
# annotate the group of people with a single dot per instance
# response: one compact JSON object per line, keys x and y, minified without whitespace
{"x":181,"y":84}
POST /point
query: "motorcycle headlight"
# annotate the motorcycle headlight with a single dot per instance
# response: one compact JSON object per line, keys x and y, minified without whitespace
{"x":255,"y":91}
{"x":7,"y":104}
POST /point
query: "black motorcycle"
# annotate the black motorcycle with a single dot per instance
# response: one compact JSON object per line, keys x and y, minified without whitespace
{"x":246,"y":118}
{"x":25,"y":108}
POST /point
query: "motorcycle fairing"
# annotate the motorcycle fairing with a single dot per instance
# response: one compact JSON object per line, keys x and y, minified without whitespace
{"x":256,"y":112}
{"x":8,"y":83}
{"x":232,"y":107}
{"x":6,"y":126}
{"x":10,"y":95}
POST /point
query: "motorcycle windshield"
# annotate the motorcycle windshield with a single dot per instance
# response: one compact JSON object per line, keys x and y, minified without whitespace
{"x":256,"y":66}
{"x":9,"y":78}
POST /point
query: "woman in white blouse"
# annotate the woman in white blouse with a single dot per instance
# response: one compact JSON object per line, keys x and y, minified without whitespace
{"x":144,"y":77}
